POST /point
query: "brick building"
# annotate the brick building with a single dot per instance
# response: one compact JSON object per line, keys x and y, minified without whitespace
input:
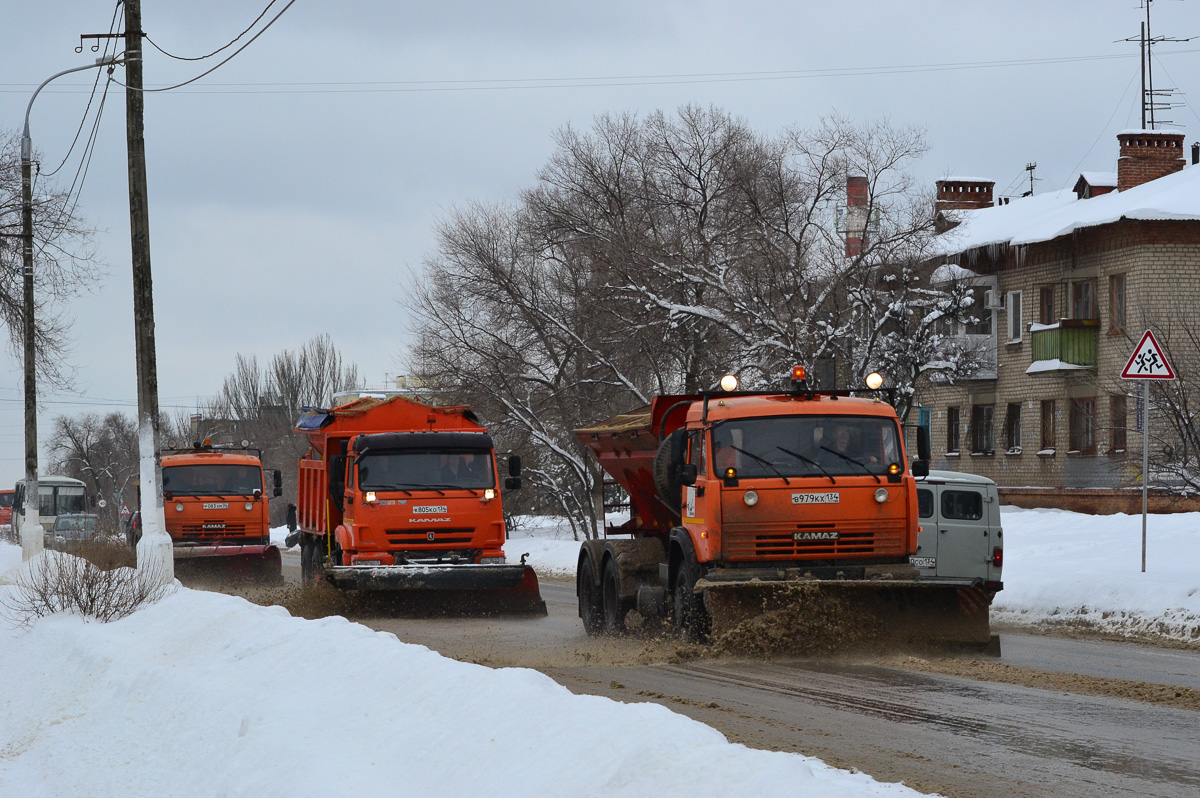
{"x":1066,"y":283}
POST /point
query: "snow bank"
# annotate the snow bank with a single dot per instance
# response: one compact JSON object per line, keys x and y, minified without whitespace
{"x":205,"y":694}
{"x":1062,"y":567}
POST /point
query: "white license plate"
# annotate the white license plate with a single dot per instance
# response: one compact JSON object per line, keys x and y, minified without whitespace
{"x":922,"y":562}
{"x":815,"y":498}
{"x":216,"y":506}
{"x":429,"y":509}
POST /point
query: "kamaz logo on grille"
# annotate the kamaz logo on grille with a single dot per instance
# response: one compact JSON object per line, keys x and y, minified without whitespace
{"x":216,"y":505}
{"x":428,"y":509}
{"x":829,"y":535}
{"x":212,"y":526}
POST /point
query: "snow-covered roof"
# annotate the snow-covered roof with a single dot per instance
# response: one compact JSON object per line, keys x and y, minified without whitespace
{"x":1044,"y":217}
{"x":961,"y":179}
{"x":1141,"y":131}
{"x":1099,"y":178}
{"x":949,"y":272}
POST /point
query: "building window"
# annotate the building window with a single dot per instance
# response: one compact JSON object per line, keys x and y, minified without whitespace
{"x":1083,"y":425}
{"x":1012,"y":428}
{"x":952,"y":427}
{"x":1117,"y":406}
{"x":983,"y":429}
{"x":1046,"y":305}
{"x":1015,"y":324}
{"x":1083,"y":299}
{"x":982,"y":315}
{"x":1048,"y":424}
{"x":1116,"y":304}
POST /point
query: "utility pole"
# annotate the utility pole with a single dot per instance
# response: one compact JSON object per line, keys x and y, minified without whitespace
{"x":154,"y":554}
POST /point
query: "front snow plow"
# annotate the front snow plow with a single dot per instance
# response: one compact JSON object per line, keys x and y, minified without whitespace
{"x":260,"y":564}
{"x":504,"y":588}
{"x":819,"y":616}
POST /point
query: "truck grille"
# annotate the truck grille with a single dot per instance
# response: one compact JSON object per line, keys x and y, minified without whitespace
{"x":419,"y":538}
{"x":777,"y":542}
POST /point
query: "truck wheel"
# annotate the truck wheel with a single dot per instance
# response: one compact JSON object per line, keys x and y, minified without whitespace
{"x":690,"y":617}
{"x":589,"y":599}
{"x":310,"y":562}
{"x":614,"y":609}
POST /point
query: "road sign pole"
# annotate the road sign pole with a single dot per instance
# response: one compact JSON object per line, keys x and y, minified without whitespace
{"x":1145,"y":461}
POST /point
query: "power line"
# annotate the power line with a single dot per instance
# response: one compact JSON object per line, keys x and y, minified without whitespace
{"x":96,"y":82}
{"x":509,"y":84}
{"x":227,"y":60}
{"x":1074,"y":171}
{"x":154,"y":44}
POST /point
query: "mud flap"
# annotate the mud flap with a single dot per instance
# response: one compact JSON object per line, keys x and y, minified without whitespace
{"x":505,"y":588}
{"x":260,"y":564}
{"x":824,"y":616}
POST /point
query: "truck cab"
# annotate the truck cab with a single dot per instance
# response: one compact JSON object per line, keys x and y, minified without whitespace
{"x":216,"y":496}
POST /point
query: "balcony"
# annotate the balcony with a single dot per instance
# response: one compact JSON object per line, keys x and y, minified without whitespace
{"x":1067,"y":346}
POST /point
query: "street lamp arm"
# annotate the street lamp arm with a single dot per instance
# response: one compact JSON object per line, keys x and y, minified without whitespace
{"x":26,"y":148}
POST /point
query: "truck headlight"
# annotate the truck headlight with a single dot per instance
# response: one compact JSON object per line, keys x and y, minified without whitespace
{"x":750,"y":497}
{"x":881,"y":495}
{"x":179,"y":507}
{"x":249,"y":506}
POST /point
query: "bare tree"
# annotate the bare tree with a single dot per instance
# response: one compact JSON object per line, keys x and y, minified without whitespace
{"x":103,"y":452}
{"x":655,"y":255}
{"x":65,"y":263}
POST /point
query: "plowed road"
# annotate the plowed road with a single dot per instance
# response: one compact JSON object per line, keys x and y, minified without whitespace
{"x":1052,"y":717}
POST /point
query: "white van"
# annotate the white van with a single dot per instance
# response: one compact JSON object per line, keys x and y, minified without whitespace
{"x":960,"y":539}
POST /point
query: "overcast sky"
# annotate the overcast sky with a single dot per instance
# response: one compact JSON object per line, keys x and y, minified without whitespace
{"x":294,"y":191}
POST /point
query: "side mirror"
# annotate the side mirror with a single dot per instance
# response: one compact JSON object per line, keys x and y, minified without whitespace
{"x":920,"y":468}
{"x":514,"y":466}
{"x":924,"y":448}
{"x":512,"y":483}
{"x":687,"y":473}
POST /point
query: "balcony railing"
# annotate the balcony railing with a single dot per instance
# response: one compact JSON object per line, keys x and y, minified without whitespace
{"x":1067,"y":346}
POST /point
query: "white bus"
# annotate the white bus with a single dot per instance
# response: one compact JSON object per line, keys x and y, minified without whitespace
{"x":57,"y":496}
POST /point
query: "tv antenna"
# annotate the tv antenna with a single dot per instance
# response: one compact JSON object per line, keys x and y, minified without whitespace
{"x":1151,"y":103}
{"x":1029,"y":167}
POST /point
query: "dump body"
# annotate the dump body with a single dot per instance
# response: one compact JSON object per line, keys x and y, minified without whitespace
{"x":744,"y":493}
{"x":398,"y":495}
{"x":216,"y":510}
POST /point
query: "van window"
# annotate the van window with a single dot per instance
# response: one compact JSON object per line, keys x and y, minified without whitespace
{"x":962,"y":505}
{"x":924,"y":503}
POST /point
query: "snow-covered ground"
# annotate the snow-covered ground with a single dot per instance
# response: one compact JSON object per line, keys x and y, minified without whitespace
{"x":204,"y":694}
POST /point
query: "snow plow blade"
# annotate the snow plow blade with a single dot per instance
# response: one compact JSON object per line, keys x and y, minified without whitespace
{"x":508,"y":588}
{"x":258,"y":563}
{"x":818,"y":616}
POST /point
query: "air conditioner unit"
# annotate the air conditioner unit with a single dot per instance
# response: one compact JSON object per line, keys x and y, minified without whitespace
{"x":993,"y":300}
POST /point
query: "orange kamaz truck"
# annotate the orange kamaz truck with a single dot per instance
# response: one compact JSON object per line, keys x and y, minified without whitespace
{"x":794,"y":502}
{"x":402,"y":496}
{"x":215,"y":504}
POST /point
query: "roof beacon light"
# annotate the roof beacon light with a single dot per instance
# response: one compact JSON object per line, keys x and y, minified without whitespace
{"x":729,"y":382}
{"x":874,"y":380}
{"x":798,"y":374}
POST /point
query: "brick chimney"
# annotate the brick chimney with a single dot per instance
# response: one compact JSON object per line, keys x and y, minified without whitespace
{"x":1147,"y":155}
{"x":856,"y":214}
{"x":963,"y":194}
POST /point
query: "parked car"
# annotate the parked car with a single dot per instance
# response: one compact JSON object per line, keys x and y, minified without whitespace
{"x":72,"y":530}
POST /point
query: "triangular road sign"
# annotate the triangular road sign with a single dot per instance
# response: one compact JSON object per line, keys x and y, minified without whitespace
{"x":1148,"y":362}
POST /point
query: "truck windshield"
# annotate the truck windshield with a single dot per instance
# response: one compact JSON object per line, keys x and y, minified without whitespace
{"x":806,"y":446}
{"x":414,"y":469}
{"x":212,"y":480}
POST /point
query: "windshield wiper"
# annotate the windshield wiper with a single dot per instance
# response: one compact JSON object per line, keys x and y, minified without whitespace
{"x":861,"y":465}
{"x":762,"y":460}
{"x":810,"y":461}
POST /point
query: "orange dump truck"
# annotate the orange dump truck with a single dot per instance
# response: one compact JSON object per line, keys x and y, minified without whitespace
{"x":215,"y":504}
{"x":744,"y":504}
{"x":398,"y":495}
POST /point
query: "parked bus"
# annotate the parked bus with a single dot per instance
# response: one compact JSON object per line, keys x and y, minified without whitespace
{"x":56,"y":496}
{"x":6,"y":503}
